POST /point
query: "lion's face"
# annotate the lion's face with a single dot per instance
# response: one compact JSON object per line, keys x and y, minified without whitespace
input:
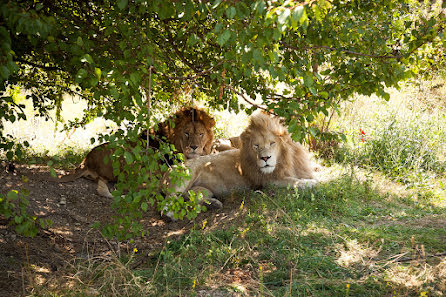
{"x":194,"y":139}
{"x":266,"y":150}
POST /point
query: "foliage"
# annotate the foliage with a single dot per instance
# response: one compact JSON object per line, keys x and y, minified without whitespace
{"x":13,"y":206}
{"x":141,"y":178}
{"x":403,"y":152}
{"x":404,"y":138}
{"x":129,"y":57}
{"x":320,"y":50}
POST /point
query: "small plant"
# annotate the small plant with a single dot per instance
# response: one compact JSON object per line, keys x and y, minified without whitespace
{"x":13,"y":207}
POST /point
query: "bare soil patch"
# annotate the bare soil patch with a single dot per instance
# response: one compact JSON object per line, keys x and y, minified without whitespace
{"x":73,"y":207}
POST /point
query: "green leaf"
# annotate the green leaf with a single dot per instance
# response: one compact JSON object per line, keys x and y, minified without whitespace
{"x":4,"y":72}
{"x":313,"y":132}
{"x":193,"y":39}
{"x":87,"y":59}
{"x":81,"y":74}
{"x":122,"y":4}
{"x":296,"y":16}
{"x":144,"y":206}
{"x":283,"y":16}
{"x":98,"y":72}
{"x":231,"y":12}
{"x":258,"y":6}
{"x":79,"y":41}
{"x":323,"y":94}
{"x":224,"y":37}
{"x":13,"y":195}
{"x":9,"y":155}
{"x":128,"y":157}
{"x":53,"y":172}
{"x":308,"y":80}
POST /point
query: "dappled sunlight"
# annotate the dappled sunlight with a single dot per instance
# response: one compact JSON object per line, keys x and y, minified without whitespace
{"x":40,"y":274}
{"x":314,"y":229}
{"x":353,"y":252}
{"x":176,"y":232}
{"x":411,"y":276}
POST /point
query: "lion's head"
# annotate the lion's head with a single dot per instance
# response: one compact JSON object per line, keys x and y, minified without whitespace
{"x":192,"y":134}
{"x":268,"y":152}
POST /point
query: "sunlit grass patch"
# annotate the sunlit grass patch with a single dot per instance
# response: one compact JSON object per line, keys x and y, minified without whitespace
{"x":97,"y":276}
{"x":403,"y":137}
{"x":342,"y":237}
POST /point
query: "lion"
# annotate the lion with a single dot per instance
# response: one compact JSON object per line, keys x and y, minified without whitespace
{"x":190,"y":130}
{"x":268,"y":156}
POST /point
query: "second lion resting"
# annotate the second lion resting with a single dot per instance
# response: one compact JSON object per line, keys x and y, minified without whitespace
{"x":268,"y":156}
{"x":190,"y":130}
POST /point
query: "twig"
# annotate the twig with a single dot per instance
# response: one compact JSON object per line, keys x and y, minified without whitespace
{"x":418,"y":258}
{"x":248,"y":100}
{"x":334,"y":49}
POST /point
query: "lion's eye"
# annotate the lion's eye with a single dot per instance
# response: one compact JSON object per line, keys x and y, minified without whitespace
{"x":186,"y":134}
{"x":255,"y":146}
{"x":272,"y":143}
{"x":201,"y":134}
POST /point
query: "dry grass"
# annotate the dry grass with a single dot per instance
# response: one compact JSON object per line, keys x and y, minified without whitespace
{"x":96,"y":276}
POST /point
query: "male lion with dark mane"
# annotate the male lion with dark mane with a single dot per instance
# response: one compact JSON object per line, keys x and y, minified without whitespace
{"x":268,"y":156}
{"x":189,"y":130}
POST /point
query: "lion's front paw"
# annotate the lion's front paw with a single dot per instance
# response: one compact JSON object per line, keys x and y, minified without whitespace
{"x":168,"y":213}
{"x":212,"y":203}
{"x":308,"y":183}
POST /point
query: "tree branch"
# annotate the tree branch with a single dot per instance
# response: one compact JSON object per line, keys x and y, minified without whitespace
{"x":249,"y":101}
{"x":333,"y":49}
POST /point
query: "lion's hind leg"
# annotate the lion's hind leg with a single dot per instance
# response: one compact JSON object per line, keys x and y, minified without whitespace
{"x":102,"y":188}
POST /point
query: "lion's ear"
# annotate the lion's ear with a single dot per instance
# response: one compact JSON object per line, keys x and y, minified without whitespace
{"x":211,"y":122}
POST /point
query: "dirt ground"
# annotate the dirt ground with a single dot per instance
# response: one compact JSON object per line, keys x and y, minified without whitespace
{"x":73,"y":207}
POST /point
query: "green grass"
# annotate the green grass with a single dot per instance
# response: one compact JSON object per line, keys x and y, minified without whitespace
{"x":310,"y":243}
{"x":341,"y":238}
{"x":405,"y":137}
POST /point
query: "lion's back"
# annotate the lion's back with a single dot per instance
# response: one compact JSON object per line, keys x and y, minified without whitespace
{"x":94,"y":161}
{"x":219,"y":173}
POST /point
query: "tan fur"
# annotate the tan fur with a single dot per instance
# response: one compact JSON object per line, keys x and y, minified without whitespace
{"x":190,"y":130}
{"x":241,"y":169}
{"x":221,"y":145}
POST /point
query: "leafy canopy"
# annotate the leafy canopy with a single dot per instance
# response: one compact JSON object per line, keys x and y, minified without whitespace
{"x":296,"y":59}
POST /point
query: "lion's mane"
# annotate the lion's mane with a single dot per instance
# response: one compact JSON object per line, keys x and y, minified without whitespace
{"x":293,"y":159}
{"x":187,"y":115}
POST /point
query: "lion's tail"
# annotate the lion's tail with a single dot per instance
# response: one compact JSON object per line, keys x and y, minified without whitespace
{"x":78,"y":173}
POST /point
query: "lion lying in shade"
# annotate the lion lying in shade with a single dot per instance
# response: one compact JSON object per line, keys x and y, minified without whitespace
{"x":190,"y":130}
{"x":268,"y":156}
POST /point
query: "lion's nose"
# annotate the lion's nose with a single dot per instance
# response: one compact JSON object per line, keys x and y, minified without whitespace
{"x":265,"y":158}
{"x":194,"y":147}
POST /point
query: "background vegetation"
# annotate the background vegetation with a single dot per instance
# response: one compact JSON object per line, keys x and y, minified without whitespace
{"x":375,"y":224}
